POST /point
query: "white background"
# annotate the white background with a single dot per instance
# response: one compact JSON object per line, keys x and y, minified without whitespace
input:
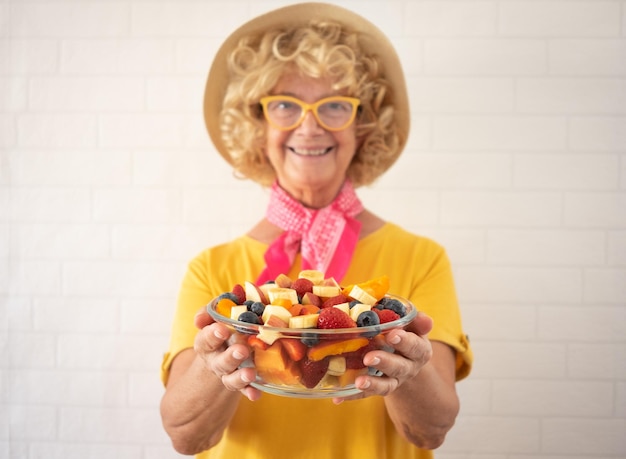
{"x":109,"y":185}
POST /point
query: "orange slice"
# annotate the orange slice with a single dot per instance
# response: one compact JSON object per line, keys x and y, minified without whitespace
{"x":322,"y":350}
{"x":224,"y":306}
{"x":376,"y":287}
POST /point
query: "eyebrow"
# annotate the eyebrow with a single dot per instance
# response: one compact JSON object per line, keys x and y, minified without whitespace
{"x":290,"y":94}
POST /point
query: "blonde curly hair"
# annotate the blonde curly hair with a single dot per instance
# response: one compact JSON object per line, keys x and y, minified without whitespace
{"x":321,"y":49}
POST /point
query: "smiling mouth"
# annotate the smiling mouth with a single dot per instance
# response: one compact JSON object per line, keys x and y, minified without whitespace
{"x":310,"y":152}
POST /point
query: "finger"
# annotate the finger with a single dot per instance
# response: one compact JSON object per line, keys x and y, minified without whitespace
{"x":238,"y":380}
{"x":414,"y":347}
{"x":202,"y":319}
{"x":252,"y":393}
{"x":211,"y":338}
{"x":229,"y":360}
{"x":421,"y":325}
{"x":339,"y":400}
{"x":370,"y":385}
{"x":412,"y":353}
{"x":376,"y":385}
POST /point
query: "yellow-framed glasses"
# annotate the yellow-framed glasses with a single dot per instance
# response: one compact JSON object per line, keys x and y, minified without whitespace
{"x":332,"y":113}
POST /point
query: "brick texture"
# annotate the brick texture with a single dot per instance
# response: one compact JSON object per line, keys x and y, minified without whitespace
{"x":109,"y":185}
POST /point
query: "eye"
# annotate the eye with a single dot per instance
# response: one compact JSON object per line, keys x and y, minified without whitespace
{"x":335,"y":106}
{"x":284,"y":105}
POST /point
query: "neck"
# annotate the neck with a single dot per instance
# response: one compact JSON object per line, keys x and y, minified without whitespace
{"x":308,"y":232}
{"x":314,"y":198}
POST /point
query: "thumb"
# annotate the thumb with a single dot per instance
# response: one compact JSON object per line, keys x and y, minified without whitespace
{"x":202,"y":319}
{"x":421,"y":325}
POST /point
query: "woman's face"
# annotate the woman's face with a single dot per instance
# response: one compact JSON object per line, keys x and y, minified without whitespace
{"x":310,"y":162}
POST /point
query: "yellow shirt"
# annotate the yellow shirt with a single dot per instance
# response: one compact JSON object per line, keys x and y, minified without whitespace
{"x":288,"y":428}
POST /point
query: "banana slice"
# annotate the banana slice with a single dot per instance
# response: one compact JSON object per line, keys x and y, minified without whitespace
{"x":362,"y":296}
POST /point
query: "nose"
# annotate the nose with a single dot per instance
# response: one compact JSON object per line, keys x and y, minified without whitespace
{"x":309,"y":123}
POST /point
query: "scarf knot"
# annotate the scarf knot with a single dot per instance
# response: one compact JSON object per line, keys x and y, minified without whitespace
{"x":325,"y":237}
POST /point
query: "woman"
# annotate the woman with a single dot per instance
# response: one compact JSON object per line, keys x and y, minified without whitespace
{"x":311,"y":100}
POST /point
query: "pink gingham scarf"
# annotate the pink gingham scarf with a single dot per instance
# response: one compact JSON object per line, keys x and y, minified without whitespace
{"x":326,"y":237}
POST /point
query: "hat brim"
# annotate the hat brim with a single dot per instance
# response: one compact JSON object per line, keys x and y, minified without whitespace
{"x":371,"y":38}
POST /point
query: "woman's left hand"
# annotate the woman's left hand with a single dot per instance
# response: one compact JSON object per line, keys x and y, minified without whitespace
{"x":413,"y":350}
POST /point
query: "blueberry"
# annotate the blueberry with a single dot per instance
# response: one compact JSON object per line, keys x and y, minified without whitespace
{"x":248,"y":303}
{"x":230,"y":296}
{"x":257,"y":307}
{"x":367,"y":319}
{"x":310,"y":339}
{"x":396,"y":306}
{"x":353,"y":303}
{"x":248,"y":317}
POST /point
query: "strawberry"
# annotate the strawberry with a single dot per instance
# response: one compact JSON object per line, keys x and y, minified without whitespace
{"x":335,"y":318}
{"x":313,"y":371}
{"x":302,"y":286}
{"x":386,"y":315}
{"x":354,"y":359}
{"x":240,"y":293}
{"x":295,"y":348}
{"x":256,"y":343}
{"x":335,"y":300}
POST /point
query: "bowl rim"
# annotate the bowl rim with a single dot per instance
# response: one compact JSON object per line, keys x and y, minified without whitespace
{"x":244,"y":327}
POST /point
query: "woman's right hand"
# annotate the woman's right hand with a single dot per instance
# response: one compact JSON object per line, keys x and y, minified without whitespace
{"x":201,"y":391}
{"x":222,"y":355}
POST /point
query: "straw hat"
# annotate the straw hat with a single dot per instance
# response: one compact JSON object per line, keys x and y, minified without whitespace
{"x":371,"y":38}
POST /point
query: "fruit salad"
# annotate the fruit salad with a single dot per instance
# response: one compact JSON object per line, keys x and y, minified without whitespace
{"x":309,"y":335}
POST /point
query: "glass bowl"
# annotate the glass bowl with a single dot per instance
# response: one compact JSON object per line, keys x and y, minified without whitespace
{"x":311,"y":362}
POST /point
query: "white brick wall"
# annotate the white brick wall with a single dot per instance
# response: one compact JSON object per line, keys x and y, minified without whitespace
{"x":109,"y":185}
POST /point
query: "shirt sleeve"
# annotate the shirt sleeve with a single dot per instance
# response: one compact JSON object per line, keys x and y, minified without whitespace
{"x":435,"y":294}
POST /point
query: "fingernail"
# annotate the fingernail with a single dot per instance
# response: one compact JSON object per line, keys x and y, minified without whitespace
{"x":365,"y":384}
{"x":218,"y":334}
{"x":245,"y":379}
{"x":375,"y":361}
{"x":395,"y":339}
{"x":238,"y":355}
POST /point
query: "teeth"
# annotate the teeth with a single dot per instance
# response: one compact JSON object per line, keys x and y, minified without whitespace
{"x":304,"y":152}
